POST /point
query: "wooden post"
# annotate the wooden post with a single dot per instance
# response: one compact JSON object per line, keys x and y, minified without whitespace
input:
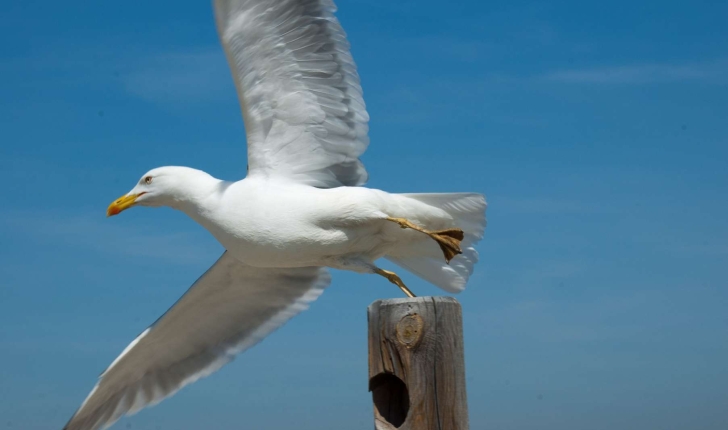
{"x":416,"y":364}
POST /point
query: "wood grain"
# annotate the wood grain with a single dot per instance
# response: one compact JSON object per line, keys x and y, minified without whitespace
{"x":416,"y":364}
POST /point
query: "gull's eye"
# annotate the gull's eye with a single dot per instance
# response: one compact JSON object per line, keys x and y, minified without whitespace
{"x":148,"y":180}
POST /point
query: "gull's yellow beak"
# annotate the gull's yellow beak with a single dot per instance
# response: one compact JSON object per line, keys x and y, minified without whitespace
{"x":121,"y":204}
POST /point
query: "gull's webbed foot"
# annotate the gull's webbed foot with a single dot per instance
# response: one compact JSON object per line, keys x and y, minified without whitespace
{"x":393,"y":278}
{"x":449,"y":239}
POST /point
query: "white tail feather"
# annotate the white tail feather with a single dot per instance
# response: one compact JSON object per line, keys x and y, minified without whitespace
{"x":468,"y":213}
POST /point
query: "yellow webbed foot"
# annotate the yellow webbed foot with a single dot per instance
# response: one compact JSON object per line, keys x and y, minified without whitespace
{"x":448,"y":240}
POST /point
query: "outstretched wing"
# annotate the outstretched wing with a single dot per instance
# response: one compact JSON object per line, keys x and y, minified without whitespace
{"x":298,"y":89}
{"x":229,"y":309}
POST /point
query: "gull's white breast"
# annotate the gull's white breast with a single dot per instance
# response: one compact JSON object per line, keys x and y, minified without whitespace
{"x":267,"y":223}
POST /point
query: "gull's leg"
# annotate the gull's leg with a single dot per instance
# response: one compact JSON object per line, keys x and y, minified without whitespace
{"x":448,"y":239}
{"x":393,"y":278}
{"x":361,"y":264}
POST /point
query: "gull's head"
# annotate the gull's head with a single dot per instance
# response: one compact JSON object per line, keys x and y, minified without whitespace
{"x":163,"y":186}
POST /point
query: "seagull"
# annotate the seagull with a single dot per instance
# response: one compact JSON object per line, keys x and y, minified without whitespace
{"x":300,"y":210}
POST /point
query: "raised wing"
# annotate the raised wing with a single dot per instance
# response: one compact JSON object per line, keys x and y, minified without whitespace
{"x":298,"y":88}
{"x":229,"y":309}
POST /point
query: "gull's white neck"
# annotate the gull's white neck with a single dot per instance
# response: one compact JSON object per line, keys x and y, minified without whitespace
{"x":199,"y":195}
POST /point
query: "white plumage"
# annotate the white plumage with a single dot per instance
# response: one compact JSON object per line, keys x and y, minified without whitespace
{"x":298,"y":211}
{"x":300,"y":94}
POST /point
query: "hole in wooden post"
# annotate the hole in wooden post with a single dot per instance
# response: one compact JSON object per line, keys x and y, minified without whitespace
{"x":391,"y":398}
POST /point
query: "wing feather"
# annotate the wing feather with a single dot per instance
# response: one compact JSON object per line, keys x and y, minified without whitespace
{"x":299,"y":90}
{"x":229,"y":309}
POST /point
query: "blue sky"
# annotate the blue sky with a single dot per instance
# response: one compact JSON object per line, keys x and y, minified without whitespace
{"x":597,"y":130}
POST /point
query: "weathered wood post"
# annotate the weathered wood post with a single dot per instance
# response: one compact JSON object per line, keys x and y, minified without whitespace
{"x":416,"y":364}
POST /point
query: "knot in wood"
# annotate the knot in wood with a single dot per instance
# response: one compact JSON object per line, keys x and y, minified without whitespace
{"x":409,"y":330}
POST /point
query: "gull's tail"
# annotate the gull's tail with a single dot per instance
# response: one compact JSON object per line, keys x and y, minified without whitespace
{"x":467,"y":212}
